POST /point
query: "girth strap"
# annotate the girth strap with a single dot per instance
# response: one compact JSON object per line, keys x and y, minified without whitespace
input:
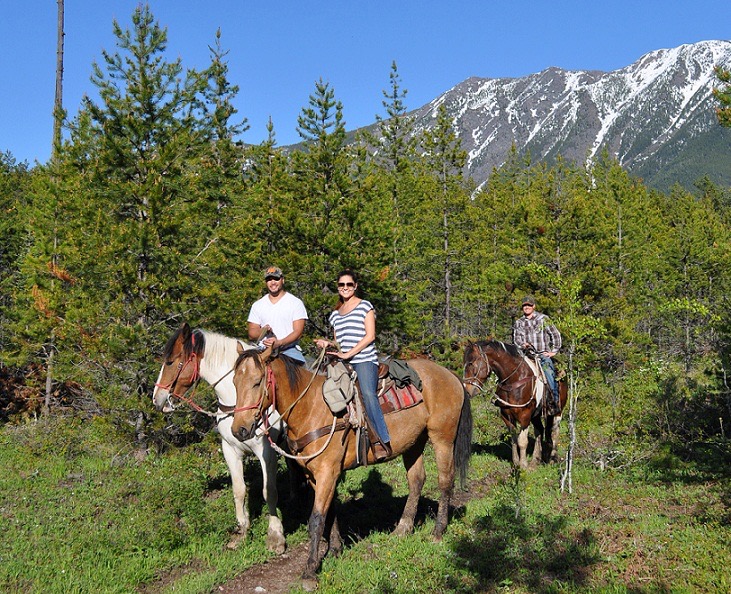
{"x":297,"y":445}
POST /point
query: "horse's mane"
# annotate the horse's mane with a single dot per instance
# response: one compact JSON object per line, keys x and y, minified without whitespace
{"x":291,"y":367}
{"x":496,"y":345}
{"x":217,"y":348}
{"x":249,"y":354}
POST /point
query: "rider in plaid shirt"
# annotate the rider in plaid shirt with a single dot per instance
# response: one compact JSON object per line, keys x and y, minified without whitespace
{"x":534,"y":330}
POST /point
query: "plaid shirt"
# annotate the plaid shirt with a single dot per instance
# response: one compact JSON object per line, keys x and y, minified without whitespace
{"x":537,"y":331}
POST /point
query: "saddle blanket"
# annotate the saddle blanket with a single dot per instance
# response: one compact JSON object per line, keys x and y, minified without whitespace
{"x":396,"y":398}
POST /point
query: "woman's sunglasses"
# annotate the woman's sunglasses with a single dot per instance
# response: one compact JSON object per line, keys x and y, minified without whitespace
{"x":343,"y":285}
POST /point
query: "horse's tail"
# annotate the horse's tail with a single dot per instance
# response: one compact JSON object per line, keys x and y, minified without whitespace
{"x":463,"y":441}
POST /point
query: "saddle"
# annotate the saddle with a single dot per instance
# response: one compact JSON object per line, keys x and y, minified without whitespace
{"x":342,"y":395}
{"x":541,"y":390}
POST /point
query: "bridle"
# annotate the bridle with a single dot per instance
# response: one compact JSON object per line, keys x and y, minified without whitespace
{"x":195,"y":379}
{"x":268,"y":400}
{"x":193,"y":359}
{"x":474,"y":380}
{"x":502,"y":384}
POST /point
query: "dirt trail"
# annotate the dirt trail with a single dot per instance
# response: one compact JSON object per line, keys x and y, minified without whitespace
{"x":281,"y":574}
{"x":277,"y":576}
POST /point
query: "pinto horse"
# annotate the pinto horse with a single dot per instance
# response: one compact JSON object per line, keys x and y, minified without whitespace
{"x":520,"y":394}
{"x":199,"y":354}
{"x":328,"y":446}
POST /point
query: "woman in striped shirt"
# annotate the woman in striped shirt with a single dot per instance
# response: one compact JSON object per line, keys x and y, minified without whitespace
{"x":354,"y":327}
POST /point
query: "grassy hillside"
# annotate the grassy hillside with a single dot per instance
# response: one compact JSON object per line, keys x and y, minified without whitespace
{"x":83,"y":511}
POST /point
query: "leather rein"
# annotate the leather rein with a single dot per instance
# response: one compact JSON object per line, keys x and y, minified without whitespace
{"x":269,"y":393}
{"x":502,"y":384}
{"x":193,"y":359}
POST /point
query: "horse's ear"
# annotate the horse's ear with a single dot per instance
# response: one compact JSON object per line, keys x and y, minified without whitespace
{"x":239,"y":348}
{"x":266,"y":354}
{"x":185,"y":331}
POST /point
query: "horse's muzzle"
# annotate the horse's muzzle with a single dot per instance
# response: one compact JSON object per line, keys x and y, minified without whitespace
{"x":161,"y":400}
{"x":242,"y":433}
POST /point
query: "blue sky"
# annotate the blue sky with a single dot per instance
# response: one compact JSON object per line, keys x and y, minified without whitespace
{"x":278,"y":49}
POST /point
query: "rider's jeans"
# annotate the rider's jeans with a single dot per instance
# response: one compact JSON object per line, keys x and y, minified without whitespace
{"x":367,"y":373}
{"x":550,"y":370}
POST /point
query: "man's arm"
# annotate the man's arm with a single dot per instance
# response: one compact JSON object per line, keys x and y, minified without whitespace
{"x":255,"y":330}
{"x":298,"y":327}
{"x":554,"y":339}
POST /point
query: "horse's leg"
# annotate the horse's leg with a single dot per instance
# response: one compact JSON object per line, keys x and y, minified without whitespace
{"x":325,"y":482}
{"x":234,"y":460}
{"x":552,"y":431}
{"x":540,"y":434}
{"x":268,"y":458}
{"x":334,"y":541}
{"x":521,"y":442}
{"x":416,"y":475}
{"x":444,"y":453}
{"x":297,"y":482}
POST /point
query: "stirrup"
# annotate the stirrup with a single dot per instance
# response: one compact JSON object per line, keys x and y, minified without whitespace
{"x":382,"y":451}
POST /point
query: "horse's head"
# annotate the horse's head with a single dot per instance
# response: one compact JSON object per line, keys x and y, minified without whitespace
{"x":180,"y":368}
{"x":252,"y":391}
{"x":476,"y":368}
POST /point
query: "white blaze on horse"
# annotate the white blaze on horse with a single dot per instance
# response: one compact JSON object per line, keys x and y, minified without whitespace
{"x":191,"y":355}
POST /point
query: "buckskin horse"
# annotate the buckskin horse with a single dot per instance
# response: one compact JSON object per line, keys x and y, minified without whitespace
{"x":519,"y":394}
{"x":328,"y":446}
{"x":190,"y":355}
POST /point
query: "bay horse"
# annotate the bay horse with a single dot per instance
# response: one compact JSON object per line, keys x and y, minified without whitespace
{"x":328,"y":447}
{"x":190,"y":355}
{"x":521,"y":395}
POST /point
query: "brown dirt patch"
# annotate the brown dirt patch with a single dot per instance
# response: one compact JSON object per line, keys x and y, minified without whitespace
{"x":276,"y":576}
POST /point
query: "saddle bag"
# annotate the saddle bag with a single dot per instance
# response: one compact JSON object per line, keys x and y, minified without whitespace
{"x":338,"y":389}
{"x":403,"y":374}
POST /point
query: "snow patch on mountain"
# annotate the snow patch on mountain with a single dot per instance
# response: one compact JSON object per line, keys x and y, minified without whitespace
{"x":658,"y":103}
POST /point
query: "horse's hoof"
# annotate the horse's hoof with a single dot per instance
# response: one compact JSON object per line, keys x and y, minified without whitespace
{"x":309,"y":584}
{"x":402,"y":530}
{"x":276,"y":543}
{"x":235,"y":541}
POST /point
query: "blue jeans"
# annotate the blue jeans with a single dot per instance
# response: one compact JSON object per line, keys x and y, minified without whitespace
{"x":368,"y":379}
{"x":550,"y":370}
{"x":293,"y":353}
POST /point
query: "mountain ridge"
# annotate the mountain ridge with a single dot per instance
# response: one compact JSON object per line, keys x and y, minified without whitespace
{"x":656,"y":116}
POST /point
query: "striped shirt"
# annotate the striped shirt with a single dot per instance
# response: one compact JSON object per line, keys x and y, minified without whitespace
{"x":537,"y":331}
{"x":350,"y":329}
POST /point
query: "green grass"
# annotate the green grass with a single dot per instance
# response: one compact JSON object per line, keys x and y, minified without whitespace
{"x":80,"y":512}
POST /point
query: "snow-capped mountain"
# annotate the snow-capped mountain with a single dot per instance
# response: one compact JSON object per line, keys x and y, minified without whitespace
{"x":656,"y":116}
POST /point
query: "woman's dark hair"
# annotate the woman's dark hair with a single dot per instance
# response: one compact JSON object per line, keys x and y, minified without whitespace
{"x":348,"y":272}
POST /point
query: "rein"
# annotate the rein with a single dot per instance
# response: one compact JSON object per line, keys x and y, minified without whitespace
{"x":271,"y":381}
{"x":502,"y":384}
{"x":193,"y":358}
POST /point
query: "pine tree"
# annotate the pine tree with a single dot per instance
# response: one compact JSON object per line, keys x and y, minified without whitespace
{"x":723,"y":95}
{"x":15,"y":182}
{"x":318,"y":211}
{"x":136,"y":216}
{"x":441,"y":223}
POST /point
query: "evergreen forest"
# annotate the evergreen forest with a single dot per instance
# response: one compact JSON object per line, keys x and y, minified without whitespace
{"x":154,"y":211}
